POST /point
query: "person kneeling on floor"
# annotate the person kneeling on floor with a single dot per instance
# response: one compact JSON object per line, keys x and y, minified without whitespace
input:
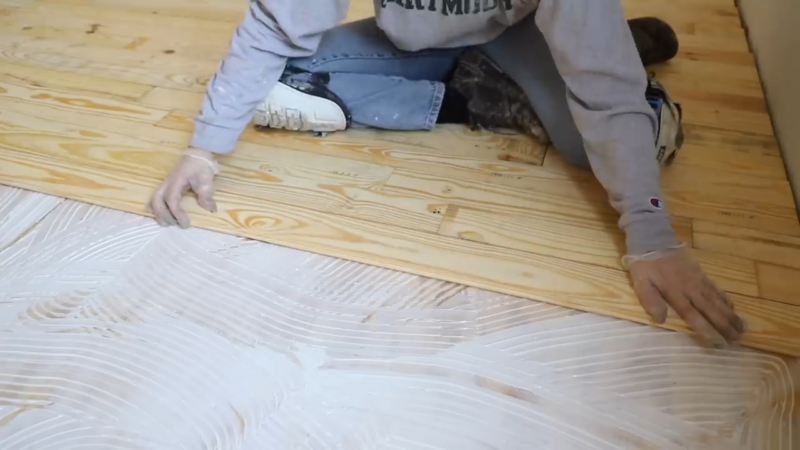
{"x":570,"y":72}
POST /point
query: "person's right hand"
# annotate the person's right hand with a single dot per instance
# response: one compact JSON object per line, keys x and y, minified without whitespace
{"x":195,"y":171}
{"x":671,"y":279}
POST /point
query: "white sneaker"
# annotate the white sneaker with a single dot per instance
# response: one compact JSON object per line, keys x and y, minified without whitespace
{"x":669,"y":114}
{"x":305,"y":107}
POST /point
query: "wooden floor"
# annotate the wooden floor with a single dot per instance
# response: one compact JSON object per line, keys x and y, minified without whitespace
{"x":97,"y":99}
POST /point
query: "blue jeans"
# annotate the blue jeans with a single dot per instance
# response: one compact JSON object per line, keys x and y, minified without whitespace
{"x":388,"y":88}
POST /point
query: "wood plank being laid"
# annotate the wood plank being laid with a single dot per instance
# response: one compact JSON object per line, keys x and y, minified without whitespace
{"x":324,"y":183}
{"x":574,"y":285}
{"x":479,"y":158}
{"x":732,"y":274}
{"x":479,"y":155}
{"x":762,"y":326}
{"x":472,"y":144}
{"x":595,"y":242}
{"x":779,"y":283}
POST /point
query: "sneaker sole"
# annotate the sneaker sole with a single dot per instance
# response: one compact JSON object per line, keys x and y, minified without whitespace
{"x":290,"y":109}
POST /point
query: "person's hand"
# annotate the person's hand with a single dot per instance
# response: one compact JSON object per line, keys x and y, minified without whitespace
{"x":195,"y":171}
{"x":671,"y":278}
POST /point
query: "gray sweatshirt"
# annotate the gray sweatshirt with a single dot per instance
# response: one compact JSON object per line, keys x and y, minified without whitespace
{"x":590,"y":41}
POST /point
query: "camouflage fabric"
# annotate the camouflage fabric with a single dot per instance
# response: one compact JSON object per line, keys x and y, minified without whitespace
{"x":494,"y":101}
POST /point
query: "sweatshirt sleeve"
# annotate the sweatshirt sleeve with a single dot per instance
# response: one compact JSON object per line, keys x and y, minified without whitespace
{"x":595,"y":53}
{"x":271,"y":32}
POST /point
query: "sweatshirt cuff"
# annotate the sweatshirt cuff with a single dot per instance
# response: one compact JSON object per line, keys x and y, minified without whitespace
{"x":213,"y":138}
{"x":650,"y":233}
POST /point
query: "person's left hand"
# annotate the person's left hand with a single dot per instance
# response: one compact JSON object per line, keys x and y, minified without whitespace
{"x":195,"y":172}
{"x":672,"y":279}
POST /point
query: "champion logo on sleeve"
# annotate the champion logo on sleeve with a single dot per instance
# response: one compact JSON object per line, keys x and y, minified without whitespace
{"x":656,"y":203}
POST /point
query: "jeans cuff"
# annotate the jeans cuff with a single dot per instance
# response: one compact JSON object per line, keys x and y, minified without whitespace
{"x":436,"y":104}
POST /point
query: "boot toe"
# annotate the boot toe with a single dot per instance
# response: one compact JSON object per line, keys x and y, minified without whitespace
{"x":656,"y":39}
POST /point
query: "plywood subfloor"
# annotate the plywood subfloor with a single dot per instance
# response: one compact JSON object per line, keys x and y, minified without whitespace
{"x":97,"y":98}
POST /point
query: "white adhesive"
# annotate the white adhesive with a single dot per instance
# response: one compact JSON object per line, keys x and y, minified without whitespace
{"x":21,"y":210}
{"x":118,"y":334}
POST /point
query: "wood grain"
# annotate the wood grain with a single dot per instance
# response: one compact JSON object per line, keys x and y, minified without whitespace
{"x":54,"y":99}
{"x":779,"y":283}
{"x":748,"y":243}
{"x":724,"y":196}
{"x":97,"y":100}
{"x":327,"y":184}
{"x":592,"y":241}
{"x":72,"y":83}
{"x":231,"y":11}
{"x":481,"y":156}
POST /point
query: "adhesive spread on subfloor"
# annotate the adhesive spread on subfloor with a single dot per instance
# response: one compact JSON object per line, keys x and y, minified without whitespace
{"x":118,"y":334}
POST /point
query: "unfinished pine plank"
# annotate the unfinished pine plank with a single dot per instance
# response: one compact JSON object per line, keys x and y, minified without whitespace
{"x":731,"y":140}
{"x":55,"y":99}
{"x":731,"y":151}
{"x":596,"y":242}
{"x":162,"y":69}
{"x":710,"y":77}
{"x":698,"y":111}
{"x":230,"y":11}
{"x":73,"y":83}
{"x":563,"y":197}
{"x":763,"y":203}
{"x":327,"y":184}
{"x":475,"y":144}
{"x":481,"y":155}
{"x":758,"y":245}
{"x":764,"y":328}
{"x":551,"y":233}
{"x":575,"y":285}
{"x":714,"y":49}
{"x":741,"y":161}
{"x":710,"y":20}
{"x":779,"y":283}
{"x":185,"y":104}
{"x":110,"y":28}
{"x":732,"y":274}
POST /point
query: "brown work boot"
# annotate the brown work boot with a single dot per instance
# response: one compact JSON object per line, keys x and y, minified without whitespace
{"x":655,"y":40}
